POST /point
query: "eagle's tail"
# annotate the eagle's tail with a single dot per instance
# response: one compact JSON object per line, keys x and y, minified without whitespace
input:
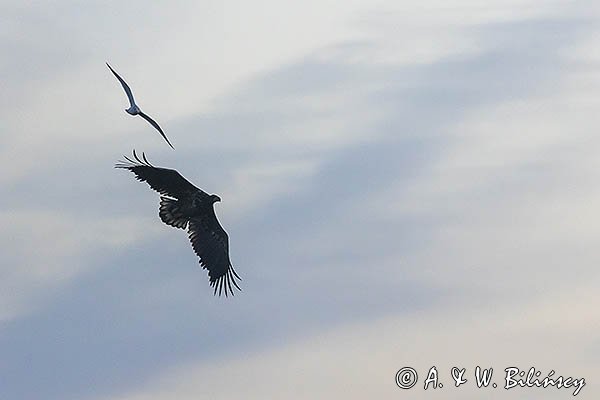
{"x":170,"y":213}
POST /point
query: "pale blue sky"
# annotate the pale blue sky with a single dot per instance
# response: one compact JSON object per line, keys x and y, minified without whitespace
{"x":403,"y":183}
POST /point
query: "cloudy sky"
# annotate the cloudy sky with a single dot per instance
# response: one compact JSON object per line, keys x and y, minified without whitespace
{"x":404,"y":184}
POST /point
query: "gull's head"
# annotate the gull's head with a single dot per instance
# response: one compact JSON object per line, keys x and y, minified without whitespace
{"x":214,"y":198}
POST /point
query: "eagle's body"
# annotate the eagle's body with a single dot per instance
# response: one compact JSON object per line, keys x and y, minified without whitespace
{"x":183,"y":205}
{"x":178,"y":212}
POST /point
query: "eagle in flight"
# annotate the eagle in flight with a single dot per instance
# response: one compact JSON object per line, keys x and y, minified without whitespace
{"x":183,"y":205}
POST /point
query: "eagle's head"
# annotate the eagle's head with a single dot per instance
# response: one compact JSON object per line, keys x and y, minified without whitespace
{"x":214,"y":198}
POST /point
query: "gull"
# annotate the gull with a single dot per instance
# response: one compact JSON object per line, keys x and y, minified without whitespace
{"x":134,"y":109}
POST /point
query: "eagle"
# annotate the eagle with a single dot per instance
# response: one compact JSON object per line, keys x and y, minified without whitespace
{"x":183,"y":205}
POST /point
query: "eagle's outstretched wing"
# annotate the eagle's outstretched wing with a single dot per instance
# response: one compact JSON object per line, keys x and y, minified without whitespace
{"x":167,"y":182}
{"x":211,"y":244}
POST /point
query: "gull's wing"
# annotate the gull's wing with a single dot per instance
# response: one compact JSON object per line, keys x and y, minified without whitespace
{"x":125,"y":86}
{"x":211,"y":244}
{"x":154,"y":124}
{"x":167,"y":182}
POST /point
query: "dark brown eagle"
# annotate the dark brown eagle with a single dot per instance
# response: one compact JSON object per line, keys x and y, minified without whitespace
{"x":183,"y":205}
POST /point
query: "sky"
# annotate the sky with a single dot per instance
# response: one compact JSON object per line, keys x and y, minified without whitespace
{"x":404,"y":184}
